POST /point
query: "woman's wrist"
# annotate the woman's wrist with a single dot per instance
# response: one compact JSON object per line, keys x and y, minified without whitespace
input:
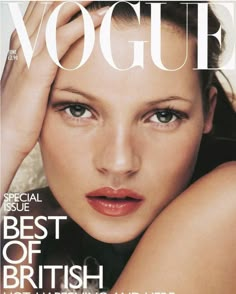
{"x":10,"y":162}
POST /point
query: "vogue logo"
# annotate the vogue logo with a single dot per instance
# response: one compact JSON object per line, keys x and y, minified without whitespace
{"x":138,"y":46}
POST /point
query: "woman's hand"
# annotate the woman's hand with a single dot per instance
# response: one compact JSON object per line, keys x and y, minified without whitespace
{"x":25,"y":90}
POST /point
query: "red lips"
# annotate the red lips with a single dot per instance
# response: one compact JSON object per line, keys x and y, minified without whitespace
{"x":111,"y":202}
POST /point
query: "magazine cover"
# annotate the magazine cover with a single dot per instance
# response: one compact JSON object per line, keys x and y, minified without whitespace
{"x":118,"y":147}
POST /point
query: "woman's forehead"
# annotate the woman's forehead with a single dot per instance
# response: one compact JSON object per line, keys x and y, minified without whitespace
{"x":124,"y":35}
{"x":175,"y":50}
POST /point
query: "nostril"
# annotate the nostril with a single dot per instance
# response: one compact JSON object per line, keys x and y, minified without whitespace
{"x":118,"y":166}
{"x":119,"y":156}
{"x":102,"y":170}
{"x":117,"y":172}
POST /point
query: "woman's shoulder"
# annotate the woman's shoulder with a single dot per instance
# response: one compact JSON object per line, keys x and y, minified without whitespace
{"x":192,"y":242}
{"x":215,"y":194}
{"x":227,"y":173}
{"x":209,"y":226}
{"x":222,"y":177}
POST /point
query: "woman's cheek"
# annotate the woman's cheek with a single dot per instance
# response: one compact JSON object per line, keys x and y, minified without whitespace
{"x":172,"y":159}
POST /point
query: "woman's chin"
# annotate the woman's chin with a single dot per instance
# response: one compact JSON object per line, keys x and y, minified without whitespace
{"x":114,"y":237}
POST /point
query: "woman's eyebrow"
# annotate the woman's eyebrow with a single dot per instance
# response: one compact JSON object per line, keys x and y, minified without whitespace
{"x":78,"y":92}
{"x":168,"y":99}
{"x":149,"y":103}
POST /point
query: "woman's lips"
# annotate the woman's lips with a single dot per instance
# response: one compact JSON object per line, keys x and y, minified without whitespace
{"x":109,"y":201}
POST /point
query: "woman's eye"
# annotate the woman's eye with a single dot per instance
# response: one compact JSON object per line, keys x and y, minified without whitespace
{"x":164,"y":117}
{"x":78,"y":111}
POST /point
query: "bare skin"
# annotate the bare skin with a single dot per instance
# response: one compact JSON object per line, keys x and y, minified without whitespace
{"x":186,"y":248}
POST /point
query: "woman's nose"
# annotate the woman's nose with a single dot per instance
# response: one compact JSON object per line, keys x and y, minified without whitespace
{"x":117,"y":153}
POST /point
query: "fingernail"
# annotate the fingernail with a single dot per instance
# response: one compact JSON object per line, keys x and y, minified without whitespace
{"x":102,"y":10}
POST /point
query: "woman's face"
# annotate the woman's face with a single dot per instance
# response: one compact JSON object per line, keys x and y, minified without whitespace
{"x":111,"y":134}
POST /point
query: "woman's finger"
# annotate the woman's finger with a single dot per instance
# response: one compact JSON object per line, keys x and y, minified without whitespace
{"x":35,"y":27}
{"x":66,"y":36}
{"x":74,"y":30}
{"x":33,"y":24}
{"x":37,"y":23}
{"x":29,"y":10}
{"x":38,"y":14}
{"x":69,"y":10}
{"x":15,"y":42}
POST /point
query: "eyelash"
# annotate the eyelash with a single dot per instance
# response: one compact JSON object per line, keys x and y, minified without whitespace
{"x":176,"y":116}
{"x":69,"y":108}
